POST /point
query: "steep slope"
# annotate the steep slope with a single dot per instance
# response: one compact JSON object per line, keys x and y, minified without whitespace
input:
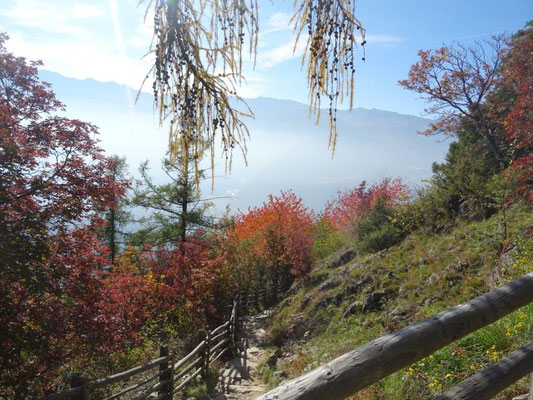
{"x":352,"y":299}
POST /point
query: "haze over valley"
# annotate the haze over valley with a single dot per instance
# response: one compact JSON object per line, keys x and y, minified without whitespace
{"x":286,"y":148}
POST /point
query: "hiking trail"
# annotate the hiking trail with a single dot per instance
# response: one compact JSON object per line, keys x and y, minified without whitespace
{"x":240,"y":380}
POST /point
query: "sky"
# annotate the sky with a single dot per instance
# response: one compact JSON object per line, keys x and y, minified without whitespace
{"x":107,"y":39}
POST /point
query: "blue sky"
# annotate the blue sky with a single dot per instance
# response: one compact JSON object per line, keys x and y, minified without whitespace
{"x":105,"y":40}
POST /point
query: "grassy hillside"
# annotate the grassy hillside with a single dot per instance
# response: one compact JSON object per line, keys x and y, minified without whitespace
{"x":351,"y":299}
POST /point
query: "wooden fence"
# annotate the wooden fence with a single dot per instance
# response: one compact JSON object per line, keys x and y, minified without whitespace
{"x":165,"y":376}
{"x":367,"y":364}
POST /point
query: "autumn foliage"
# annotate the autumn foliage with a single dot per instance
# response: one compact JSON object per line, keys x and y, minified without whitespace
{"x":517,"y":79}
{"x":352,"y":205}
{"x":161,"y":288}
{"x":486,"y":89}
{"x":278,"y":234}
{"x":53,"y":179}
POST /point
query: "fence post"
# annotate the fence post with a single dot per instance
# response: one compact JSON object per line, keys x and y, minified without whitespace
{"x":79,"y":380}
{"x":165,"y":391}
{"x":207,"y":354}
{"x":171,"y":377}
{"x":231,"y":332}
{"x":235,"y":319}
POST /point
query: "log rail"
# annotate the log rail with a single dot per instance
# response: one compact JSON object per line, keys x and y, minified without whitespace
{"x":172,"y":376}
{"x":367,"y":364}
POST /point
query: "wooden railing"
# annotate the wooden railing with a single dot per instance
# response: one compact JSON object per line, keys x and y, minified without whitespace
{"x":165,"y":376}
{"x":367,"y":364}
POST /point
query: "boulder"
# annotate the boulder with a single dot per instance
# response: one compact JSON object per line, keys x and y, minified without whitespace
{"x":351,"y":309}
{"x":280,"y":374}
{"x":432,"y":278}
{"x":317,"y":278}
{"x":374,"y":301}
{"x":354,"y":287}
{"x":305,"y":302}
{"x":272,"y":360}
{"x":344,"y":258}
{"x":458,"y":266}
{"x":330,"y":284}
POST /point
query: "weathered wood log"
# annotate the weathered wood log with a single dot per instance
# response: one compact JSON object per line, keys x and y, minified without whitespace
{"x":221,"y":335}
{"x":194,"y":364}
{"x":214,"y":358}
{"x":189,"y":378}
{"x":165,"y":375}
{"x":374,"y":361}
{"x":207,"y":354}
{"x":126,"y":374}
{"x":195,"y":351}
{"x":67,"y":394}
{"x":222,"y":343}
{"x":78,"y":380}
{"x":492,"y":380}
{"x":132,"y":388}
{"x":219,"y":328}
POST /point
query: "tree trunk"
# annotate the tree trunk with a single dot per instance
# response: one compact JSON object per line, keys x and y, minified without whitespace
{"x":493,"y":147}
{"x":112,"y":234}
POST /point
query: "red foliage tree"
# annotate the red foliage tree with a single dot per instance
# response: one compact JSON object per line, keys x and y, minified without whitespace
{"x":278,"y":235}
{"x":516,"y":84}
{"x":52,"y":179}
{"x":354,"y":204}
{"x":160,"y":288}
{"x":456,"y":81}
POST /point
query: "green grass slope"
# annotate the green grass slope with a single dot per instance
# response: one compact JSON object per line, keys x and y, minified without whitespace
{"x":352,"y":299}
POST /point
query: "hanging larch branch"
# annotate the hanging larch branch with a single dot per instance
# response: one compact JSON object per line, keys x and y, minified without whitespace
{"x":198,"y":65}
{"x":330,"y":28}
{"x":199,"y":48}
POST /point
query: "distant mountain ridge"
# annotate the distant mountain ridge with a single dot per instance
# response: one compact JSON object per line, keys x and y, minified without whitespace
{"x":286,"y":149}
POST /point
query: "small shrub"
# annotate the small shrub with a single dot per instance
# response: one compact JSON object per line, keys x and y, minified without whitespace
{"x":326,"y":239}
{"x":378,"y":230}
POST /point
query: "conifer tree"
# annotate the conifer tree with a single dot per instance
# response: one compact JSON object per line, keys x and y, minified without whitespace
{"x":177,"y":206}
{"x":117,"y":216}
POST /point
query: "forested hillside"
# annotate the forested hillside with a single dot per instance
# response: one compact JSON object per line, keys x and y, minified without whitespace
{"x":80,"y":293}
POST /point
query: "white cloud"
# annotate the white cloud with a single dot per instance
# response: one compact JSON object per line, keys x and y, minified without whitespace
{"x":144,"y":32}
{"x":40,"y":15}
{"x":280,"y":54}
{"x":251,"y":91}
{"x":80,"y":11}
{"x":279,"y":21}
{"x":83,"y":60}
{"x":287,"y":51}
{"x":71,"y":40}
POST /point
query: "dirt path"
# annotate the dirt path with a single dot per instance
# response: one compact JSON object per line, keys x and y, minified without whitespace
{"x":240,"y":378}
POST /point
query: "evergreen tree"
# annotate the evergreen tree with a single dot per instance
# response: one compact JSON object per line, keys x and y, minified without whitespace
{"x":117,"y":216}
{"x":178,"y":209}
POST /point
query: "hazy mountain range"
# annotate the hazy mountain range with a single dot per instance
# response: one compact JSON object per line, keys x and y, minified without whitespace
{"x":286,"y":148}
